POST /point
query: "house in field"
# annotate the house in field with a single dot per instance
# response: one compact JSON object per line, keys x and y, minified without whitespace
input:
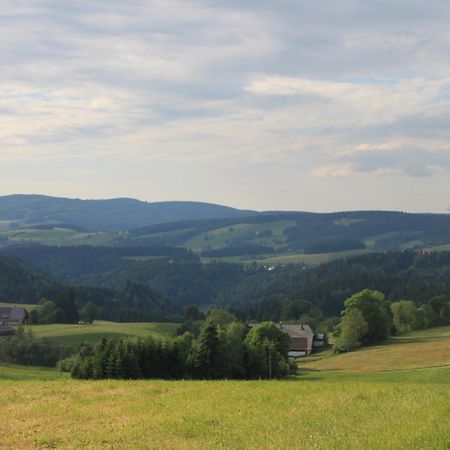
{"x":302,"y":338}
{"x":13,"y":315}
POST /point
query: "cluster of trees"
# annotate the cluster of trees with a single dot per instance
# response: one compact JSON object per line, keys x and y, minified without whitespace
{"x":62,"y":309}
{"x":220,"y":351}
{"x":333,"y":245}
{"x":431,"y":229}
{"x":81,"y":264}
{"x":407,"y":316}
{"x":400,"y":275}
{"x":133,"y":303}
{"x":24,"y":348}
{"x":158,"y":289}
{"x":369,"y":318}
{"x":366,"y":319}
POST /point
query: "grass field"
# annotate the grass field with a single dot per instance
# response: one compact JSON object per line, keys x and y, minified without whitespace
{"x":74,"y":334}
{"x":28,"y":307}
{"x":322,"y":408}
{"x":289,"y":258}
{"x":58,"y":236}
{"x":219,"y":237}
{"x":418,"y":350}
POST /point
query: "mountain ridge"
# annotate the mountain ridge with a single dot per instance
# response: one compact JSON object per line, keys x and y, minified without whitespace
{"x":107,"y":214}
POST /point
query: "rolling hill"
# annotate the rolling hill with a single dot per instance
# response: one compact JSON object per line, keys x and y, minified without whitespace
{"x":21,"y":211}
{"x":300,"y":232}
{"x":216,"y":232}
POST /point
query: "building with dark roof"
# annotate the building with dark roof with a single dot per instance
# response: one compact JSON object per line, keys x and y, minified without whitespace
{"x":302,"y":338}
{"x":13,"y":315}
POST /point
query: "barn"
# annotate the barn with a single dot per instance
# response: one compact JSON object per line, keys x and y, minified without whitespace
{"x":13,"y":315}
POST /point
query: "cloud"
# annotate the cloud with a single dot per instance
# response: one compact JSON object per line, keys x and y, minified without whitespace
{"x":389,"y":159}
{"x":236,"y":84}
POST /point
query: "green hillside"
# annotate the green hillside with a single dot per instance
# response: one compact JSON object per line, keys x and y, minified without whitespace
{"x":418,"y":350}
{"x":17,"y":211}
{"x":215,"y":231}
{"x":74,"y":334}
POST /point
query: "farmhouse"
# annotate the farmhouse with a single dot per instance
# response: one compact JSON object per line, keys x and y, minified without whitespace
{"x":13,"y":315}
{"x":302,"y":338}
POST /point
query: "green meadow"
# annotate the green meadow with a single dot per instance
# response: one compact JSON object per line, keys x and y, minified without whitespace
{"x":28,"y":307}
{"x":58,"y":236}
{"x":380,"y":397}
{"x":74,"y":334}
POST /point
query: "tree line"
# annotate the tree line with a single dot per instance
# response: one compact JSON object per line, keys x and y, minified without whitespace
{"x":369,"y":318}
{"x":24,"y":348}
{"x":229,"y":351}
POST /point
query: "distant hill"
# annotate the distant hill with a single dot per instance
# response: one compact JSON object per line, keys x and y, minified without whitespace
{"x":22,"y":283}
{"x":95,"y":215}
{"x":214,"y":231}
{"x":299,"y":232}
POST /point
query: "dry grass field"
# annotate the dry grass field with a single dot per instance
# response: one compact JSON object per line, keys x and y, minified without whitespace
{"x":418,"y":350}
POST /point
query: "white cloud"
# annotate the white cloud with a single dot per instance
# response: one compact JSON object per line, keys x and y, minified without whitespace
{"x":297,"y":87}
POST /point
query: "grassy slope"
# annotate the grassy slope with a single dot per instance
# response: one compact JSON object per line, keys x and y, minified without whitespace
{"x":75,"y":334}
{"x":417,"y":350}
{"x":28,"y":307}
{"x":59,"y":236}
{"x":319,"y":410}
{"x":248,"y":231}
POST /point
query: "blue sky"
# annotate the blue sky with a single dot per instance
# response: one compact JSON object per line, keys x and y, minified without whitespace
{"x":298,"y":105}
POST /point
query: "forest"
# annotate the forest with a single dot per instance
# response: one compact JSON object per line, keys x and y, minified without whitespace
{"x":159,"y":288}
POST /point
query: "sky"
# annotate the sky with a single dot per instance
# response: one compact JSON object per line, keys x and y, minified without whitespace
{"x":311,"y":105}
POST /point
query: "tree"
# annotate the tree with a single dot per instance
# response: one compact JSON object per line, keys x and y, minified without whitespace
{"x":220,"y":316}
{"x":376,"y":313}
{"x":267,"y":350}
{"x":231,"y":350}
{"x":207,"y":352}
{"x":351,"y":331}
{"x":405,"y":316}
{"x":89,"y":313}
{"x":192,"y":313}
{"x":441,"y":309}
{"x":66,"y":301}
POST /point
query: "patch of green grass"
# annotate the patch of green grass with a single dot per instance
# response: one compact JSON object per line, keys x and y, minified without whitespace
{"x":74,"y":334}
{"x":244,"y":231}
{"x":442,"y":248}
{"x":310,"y":259}
{"x":17,"y":372}
{"x":60,"y":236}
{"x":288,"y":258}
{"x":27,"y":306}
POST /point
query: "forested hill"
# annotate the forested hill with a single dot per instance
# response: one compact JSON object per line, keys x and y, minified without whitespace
{"x":291,"y":291}
{"x":132,"y":302}
{"x":214,"y":231}
{"x":22,"y":283}
{"x":113,"y":214}
{"x":133,"y":289}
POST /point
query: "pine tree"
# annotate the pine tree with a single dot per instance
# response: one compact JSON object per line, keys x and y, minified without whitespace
{"x":207,"y":352}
